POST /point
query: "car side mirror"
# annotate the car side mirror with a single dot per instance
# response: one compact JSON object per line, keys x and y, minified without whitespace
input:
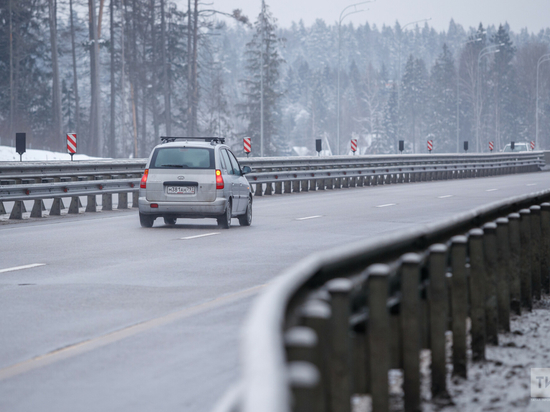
{"x":246,"y":169}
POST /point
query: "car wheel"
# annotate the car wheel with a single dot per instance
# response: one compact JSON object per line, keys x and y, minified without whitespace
{"x":225,"y":220}
{"x":170,"y":220}
{"x":146,"y":221}
{"x":246,"y":219}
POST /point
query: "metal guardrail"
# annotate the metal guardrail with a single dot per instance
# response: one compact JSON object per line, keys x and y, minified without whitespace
{"x":56,"y":180}
{"x":335,"y":324}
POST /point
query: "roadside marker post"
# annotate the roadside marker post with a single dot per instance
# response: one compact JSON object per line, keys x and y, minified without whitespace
{"x":247,"y":145}
{"x":354,"y":145}
{"x":430,"y":145}
{"x":71,"y":144}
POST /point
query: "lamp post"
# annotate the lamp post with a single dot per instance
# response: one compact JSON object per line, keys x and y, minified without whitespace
{"x":542,"y":59}
{"x":343,"y":15}
{"x":482,"y":53}
{"x":458,"y":95}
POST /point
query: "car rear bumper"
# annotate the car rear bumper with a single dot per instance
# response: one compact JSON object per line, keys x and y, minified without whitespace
{"x":183,"y":209}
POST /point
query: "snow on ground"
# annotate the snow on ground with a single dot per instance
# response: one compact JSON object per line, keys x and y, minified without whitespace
{"x":8,"y":154}
{"x":500,"y":383}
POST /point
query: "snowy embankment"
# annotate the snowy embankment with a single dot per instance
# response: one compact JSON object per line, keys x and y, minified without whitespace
{"x":8,"y":154}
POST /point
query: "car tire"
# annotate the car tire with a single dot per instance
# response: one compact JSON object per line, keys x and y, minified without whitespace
{"x":246,"y":219}
{"x":170,"y":220}
{"x":224,"y":221}
{"x":145,"y":220}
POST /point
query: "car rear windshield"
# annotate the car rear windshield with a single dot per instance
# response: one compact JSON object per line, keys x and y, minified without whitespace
{"x":183,"y":158}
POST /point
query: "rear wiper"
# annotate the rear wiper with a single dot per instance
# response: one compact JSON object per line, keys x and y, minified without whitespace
{"x":180,"y":166}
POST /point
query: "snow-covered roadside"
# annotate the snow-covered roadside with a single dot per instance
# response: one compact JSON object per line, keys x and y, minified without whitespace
{"x":503,"y":381}
{"x":500,"y":383}
{"x":8,"y":154}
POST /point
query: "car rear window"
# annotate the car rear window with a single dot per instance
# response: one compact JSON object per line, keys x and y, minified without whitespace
{"x":183,"y":158}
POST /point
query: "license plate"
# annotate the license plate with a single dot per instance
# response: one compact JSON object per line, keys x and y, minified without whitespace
{"x":180,"y":190}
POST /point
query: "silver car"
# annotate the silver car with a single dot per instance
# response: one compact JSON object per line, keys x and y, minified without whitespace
{"x":194,"y":178}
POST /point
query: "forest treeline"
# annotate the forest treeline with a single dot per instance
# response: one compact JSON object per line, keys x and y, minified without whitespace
{"x":121,"y":73}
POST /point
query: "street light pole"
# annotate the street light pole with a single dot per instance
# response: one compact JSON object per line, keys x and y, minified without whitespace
{"x":342,"y":17}
{"x":262,"y":82}
{"x":482,"y":53}
{"x":542,"y":59}
{"x":458,"y":94}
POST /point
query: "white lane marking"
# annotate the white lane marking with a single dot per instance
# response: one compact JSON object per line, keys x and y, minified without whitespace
{"x":95,"y":343}
{"x":531,"y":184}
{"x":13,"y":269}
{"x":199,"y":236}
{"x":491,"y":190}
{"x":387,"y":205}
{"x":444,"y":197}
{"x":309,"y":217}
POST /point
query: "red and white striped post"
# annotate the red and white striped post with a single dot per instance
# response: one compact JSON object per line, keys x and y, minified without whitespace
{"x":532,"y":145}
{"x":430,"y":145}
{"x":247,"y":145}
{"x":71,"y":144}
{"x":354,"y":145}
{"x":491,"y":146}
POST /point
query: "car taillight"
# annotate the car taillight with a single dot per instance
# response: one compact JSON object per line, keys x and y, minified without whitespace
{"x":143,"y":184}
{"x":219,"y":180}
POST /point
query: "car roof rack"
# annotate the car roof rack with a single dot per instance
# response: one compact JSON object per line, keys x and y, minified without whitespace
{"x":168,"y":139}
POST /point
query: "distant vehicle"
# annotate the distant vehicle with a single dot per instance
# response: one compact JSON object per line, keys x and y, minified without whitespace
{"x":518,"y":147}
{"x":194,"y":178}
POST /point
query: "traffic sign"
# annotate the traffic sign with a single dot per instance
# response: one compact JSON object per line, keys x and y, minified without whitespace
{"x":532,"y":145}
{"x":353,"y":145}
{"x":71,"y":144}
{"x":491,"y":146}
{"x":430,"y":145}
{"x":247,"y":145}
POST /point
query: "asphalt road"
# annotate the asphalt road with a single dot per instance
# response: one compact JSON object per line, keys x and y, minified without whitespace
{"x":103,"y":315}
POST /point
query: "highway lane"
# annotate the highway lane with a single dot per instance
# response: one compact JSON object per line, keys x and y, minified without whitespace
{"x":119,"y":317}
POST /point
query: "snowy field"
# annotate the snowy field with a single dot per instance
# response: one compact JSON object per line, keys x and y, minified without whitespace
{"x":8,"y":154}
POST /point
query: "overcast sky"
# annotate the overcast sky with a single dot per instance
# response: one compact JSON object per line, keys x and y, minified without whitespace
{"x":532,"y":14}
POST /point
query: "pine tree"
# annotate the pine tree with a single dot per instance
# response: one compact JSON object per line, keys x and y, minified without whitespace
{"x":504,"y":104}
{"x":413,"y":101}
{"x":262,"y":90}
{"x":442,"y":103}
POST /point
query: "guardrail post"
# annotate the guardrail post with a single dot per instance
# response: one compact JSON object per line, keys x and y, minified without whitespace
{"x":17,"y":210}
{"x":91,"y":205}
{"x":57,"y":206}
{"x":287,"y":186}
{"x":477,"y":293}
{"x":525,"y":259}
{"x":268,"y":189}
{"x":340,"y":377}
{"x":545,"y":246}
{"x":514,"y":262}
{"x":503,"y":274}
{"x":459,"y":304}
{"x":410,"y":329}
{"x":278,"y":188}
{"x":304,"y":379}
{"x":316,"y":315}
{"x":107,"y":198}
{"x":135,"y":198}
{"x":378,"y":333}
{"x":75,"y":201}
{"x":438,"y":301}
{"x":296,"y":186}
{"x":2,"y":208}
{"x":259,"y":190}
{"x":491,"y":268}
{"x":38,"y":205}
{"x":535,"y":247}
{"x":122,"y":200}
